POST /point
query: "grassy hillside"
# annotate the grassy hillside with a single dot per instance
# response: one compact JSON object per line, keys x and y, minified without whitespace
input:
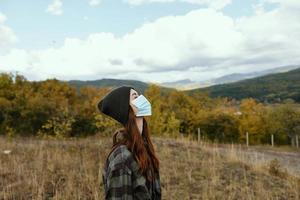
{"x":71,"y":169}
{"x":139,"y":85}
{"x":271,"y":88}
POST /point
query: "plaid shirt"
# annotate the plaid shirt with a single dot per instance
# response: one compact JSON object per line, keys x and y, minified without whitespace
{"x":122,"y":181}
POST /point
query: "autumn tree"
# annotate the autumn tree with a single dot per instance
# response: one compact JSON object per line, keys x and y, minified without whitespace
{"x":251,"y":120}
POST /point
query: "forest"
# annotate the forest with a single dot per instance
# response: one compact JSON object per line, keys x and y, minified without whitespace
{"x":56,"y":109}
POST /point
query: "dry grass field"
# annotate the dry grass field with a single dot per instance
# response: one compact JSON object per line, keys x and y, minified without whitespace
{"x":71,"y":169}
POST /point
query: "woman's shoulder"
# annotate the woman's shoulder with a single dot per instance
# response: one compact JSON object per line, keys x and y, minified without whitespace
{"x":120,"y":157}
{"x":121,"y":152}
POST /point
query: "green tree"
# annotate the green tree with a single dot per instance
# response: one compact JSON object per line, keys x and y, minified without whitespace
{"x":289,"y":117}
{"x":221,"y":127}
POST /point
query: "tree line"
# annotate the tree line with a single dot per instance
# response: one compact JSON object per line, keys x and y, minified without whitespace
{"x":52,"y":108}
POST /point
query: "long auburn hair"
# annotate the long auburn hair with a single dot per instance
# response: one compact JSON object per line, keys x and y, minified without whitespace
{"x":140,"y":145}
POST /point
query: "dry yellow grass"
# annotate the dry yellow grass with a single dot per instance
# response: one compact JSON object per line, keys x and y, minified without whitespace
{"x":71,"y":169}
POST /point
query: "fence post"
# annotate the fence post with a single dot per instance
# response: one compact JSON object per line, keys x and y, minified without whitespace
{"x":297,"y":142}
{"x":272,"y":140}
{"x":247,"y":139}
{"x":199,"y":134}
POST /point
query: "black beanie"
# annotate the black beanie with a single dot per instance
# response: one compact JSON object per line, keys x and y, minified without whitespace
{"x":116,"y":104}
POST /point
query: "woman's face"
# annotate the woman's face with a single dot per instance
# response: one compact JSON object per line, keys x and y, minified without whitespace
{"x":133,"y":95}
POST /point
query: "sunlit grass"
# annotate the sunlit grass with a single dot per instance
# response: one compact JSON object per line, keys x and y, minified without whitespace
{"x":71,"y":169}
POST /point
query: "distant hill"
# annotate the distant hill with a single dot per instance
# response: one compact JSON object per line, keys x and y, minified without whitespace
{"x":271,"y":88}
{"x":242,"y":76}
{"x":187,"y":84}
{"x":139,"y":85}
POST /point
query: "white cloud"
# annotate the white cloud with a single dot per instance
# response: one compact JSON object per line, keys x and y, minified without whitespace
{"x":7,"y":36}
{"x":95,"y":2}
{"x":216,"y":4}
{"x":273,"y":35}
{"x":55,"y":8}
{"x":2,"y":18}
{"x":201,"y":44}
{"x":284,"y":3}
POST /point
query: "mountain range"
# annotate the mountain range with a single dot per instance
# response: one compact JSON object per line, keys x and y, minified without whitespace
{"x":139,"y":85}
{"x":270,"y":85}
{"x":269,"y":88}
{"x":187,"y":84}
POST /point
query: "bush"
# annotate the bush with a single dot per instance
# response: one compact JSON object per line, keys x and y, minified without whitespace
{"x":275,"y":169}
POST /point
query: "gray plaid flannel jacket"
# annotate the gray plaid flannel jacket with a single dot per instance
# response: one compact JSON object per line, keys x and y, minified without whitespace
{"x":122,"y":181}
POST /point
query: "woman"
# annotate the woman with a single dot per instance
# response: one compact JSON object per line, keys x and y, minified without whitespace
{"x":131,"y":170}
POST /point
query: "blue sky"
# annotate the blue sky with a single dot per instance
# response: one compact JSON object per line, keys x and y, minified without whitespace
{"x":35,"y":36}
{"x":38,"y":29}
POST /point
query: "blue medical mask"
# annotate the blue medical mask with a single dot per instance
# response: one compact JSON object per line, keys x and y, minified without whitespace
{"x":143,"y":106}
